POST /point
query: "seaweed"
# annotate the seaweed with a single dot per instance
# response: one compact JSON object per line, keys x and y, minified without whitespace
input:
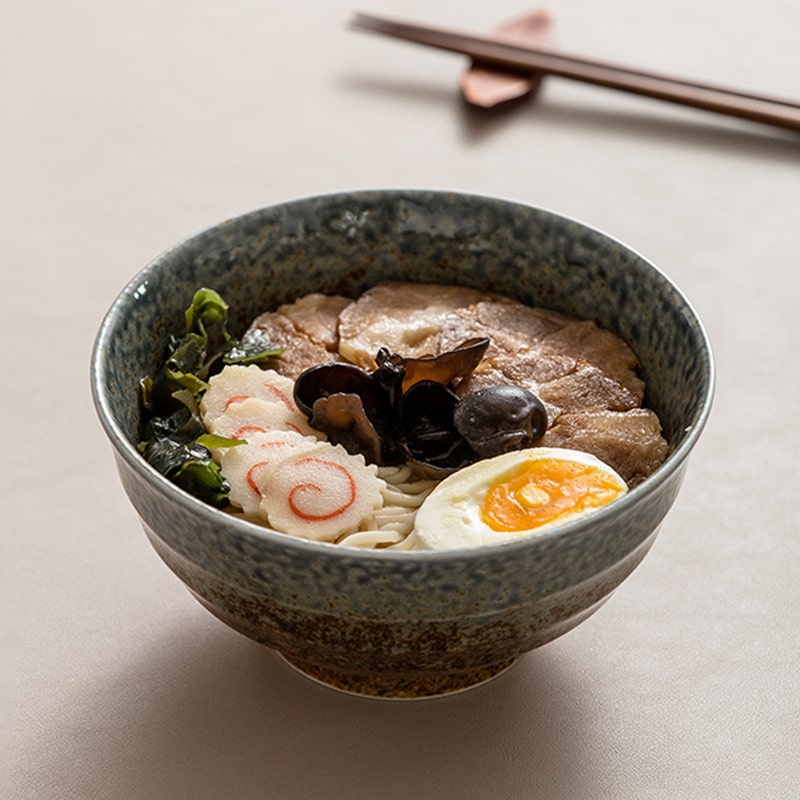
{"x":175,"y":441}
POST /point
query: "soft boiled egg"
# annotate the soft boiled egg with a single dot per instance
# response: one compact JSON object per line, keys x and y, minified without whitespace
{"x":514,"y":495}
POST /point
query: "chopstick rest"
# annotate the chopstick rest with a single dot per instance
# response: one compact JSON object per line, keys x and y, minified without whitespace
{"x":490,"y":86}
{"x":777,"y":112}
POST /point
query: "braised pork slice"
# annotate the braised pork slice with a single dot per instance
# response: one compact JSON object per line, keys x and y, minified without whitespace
{"x":628,"y":441}
{"x":515,"y":329}
{"x":586,"y":388}
{"x":406,"y":318}
{"x":585,"y":376}
{"x":510,"y":326}
{"x":301,"y":352}
{"x":600,"y":347}
{"x":530,"y":370}
{"x":562,"y":383}
{"x":317,"y":317}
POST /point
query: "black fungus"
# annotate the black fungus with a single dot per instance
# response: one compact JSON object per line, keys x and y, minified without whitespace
{"x":500,"y":419}
{"x":328,"y":379}
{"x":427,"y":420}
{"x":355,"y":408}
{"x":344,"y":419}
{"x":447,"y":366}
{"x":405,"y":410}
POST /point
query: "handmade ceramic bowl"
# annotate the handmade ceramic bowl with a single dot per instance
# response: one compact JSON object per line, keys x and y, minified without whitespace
{"x":391,"y":623}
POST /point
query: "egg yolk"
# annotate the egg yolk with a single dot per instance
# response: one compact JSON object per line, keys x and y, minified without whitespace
{"x":545,"y":490}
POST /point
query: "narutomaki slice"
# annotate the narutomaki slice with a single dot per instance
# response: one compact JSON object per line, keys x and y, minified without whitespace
{"x":253,"y":415}
{"x":243,"y":466}
{"x":236,"y":383}
{"x":322,"y":494}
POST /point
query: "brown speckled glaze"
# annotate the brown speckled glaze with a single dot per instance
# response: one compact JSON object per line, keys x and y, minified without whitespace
{"x":397,"y":624}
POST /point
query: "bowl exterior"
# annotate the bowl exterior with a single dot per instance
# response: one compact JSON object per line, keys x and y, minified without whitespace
{"x":388,"y":623}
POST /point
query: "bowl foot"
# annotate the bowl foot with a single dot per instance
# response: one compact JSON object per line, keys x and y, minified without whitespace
{"x":380,"y":682}
{"x":409,"y":686}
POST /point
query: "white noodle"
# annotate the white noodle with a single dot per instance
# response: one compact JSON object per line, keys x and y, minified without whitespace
{"x":371,"y":539}
{"x":394,"y":521}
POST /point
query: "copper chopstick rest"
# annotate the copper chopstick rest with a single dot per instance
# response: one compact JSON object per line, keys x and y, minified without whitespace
{"x":756,"y":108}
{"x":490,"y":86}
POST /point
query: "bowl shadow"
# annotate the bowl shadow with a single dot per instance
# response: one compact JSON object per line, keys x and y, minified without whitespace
{"x":212,"y":714}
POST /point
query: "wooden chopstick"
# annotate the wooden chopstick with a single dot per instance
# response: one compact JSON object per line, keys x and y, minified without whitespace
{"x":778,"y":112}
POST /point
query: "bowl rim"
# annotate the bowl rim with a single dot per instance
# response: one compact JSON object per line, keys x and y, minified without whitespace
{"x":242,"y":527}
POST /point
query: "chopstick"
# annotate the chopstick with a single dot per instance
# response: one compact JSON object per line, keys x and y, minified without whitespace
{"x":778,"y":112}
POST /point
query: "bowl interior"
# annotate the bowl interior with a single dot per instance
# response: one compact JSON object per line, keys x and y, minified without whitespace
{"x":345,"y":243}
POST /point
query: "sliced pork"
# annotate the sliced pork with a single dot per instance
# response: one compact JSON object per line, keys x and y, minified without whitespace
{"x":586,"y":376}
{"x":301,"y":351}
{"x":583,"y":339}
{"x":316,"y":316}
{"x":628,"y":441}
{"x":406,"y":318}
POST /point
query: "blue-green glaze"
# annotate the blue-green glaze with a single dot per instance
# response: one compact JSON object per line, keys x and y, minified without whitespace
{"x":399,"y":623}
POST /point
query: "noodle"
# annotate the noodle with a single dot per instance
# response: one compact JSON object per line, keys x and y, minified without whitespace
{"x":394,"y":521}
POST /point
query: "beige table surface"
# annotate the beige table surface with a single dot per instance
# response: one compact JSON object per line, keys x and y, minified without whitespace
{"x":127,"y":126}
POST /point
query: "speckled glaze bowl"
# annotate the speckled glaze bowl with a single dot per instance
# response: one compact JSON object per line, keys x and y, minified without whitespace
{"x":403,"y":624}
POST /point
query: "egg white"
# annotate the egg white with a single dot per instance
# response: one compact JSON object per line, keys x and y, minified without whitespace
{"x":450,"y":516}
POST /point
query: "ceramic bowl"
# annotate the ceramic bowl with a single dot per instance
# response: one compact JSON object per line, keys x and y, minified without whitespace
{"x":389,"y":623}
